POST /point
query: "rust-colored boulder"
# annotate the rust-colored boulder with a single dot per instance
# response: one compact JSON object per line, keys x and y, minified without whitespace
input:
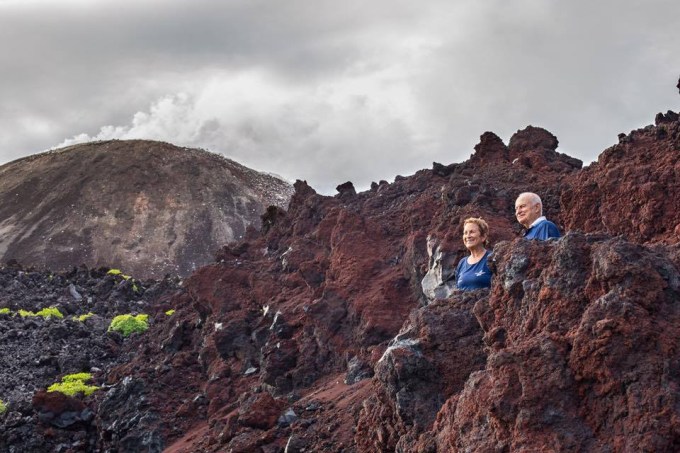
{"x":428,"y":362}
{"x":62,"y":411}
{"x":633,"y":189}
{"x":260,"y":411}
{"x":534,"y":147}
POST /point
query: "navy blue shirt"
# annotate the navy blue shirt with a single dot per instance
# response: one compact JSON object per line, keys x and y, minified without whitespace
{"x":542,"y":231}
{"x":473,"y":276}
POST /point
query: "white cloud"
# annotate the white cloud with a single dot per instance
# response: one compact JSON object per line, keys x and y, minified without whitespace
{"x":327,"y":133}
{"x":329,"y":91}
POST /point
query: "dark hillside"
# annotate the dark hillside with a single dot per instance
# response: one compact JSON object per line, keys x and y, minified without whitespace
{"x":36,"y":351}
{"x":149,"y":208}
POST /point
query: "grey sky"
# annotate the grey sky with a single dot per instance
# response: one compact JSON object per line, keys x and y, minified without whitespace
{"x":333,"y":91}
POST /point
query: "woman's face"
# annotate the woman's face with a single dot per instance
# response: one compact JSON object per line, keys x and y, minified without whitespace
{"x":472,"y":237}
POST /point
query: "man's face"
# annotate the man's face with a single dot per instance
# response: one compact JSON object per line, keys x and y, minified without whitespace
{"x":526,"y":211}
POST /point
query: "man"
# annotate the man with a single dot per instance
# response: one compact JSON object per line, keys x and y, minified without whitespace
{"x":529,"y":212}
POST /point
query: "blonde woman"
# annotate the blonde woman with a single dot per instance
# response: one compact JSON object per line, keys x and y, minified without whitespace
{"x":472,"y":271}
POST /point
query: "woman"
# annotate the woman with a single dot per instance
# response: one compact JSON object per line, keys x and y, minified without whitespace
{"x":472,"y":271}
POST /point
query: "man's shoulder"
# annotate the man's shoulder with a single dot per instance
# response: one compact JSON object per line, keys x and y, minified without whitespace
{"x":543,"y":230}
{"x":549,"y":227}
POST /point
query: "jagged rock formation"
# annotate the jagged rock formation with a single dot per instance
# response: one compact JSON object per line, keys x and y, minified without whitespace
{"x":317,"y":306}
{"x":633,"y":188}
{"x":315,"y":334}
{"x":150,"y":208}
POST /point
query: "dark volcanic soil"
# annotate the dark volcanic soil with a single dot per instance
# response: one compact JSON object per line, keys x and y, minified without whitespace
{"x":35,"y":351}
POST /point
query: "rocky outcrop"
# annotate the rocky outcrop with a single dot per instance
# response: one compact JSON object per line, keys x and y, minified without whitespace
{"x":149,"y":208}
{"x":582,"y":336}
{"x":430,"y":360}
{"x":633,"y":187}
{"x":315,"y":302}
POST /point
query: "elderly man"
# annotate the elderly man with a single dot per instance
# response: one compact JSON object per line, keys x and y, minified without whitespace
{"x":529,"y":212}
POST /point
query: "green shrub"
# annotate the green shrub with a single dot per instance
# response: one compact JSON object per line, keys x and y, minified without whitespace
{"x":135,"y":287}
{"x":4,"y":311}
{"x":51,"y":311}
{"x":127,"y":324}
{"x":72,"y":384}
{"x":45,"y":313}
{"x":118,"y":272}
{"x":82,"y":318}
{"x":3,"y":407}
{"x":77,"y":377}
{"x":170,"y":312}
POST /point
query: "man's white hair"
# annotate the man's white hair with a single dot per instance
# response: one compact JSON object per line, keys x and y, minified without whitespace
{"x":533,"y":199}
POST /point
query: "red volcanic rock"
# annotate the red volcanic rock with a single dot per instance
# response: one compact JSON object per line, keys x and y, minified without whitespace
{"x":428,"y":362}
{"x":632,"y":189}
{"x":574,"y":348}
{"x":324,"y":289}
{"x":534,"y":147}
{"x":532,"y":138}
{"x":489,"y":150}
{"x":62,"y":411}
{"x":587,"y":358}
{"x":260,"y":411}
{"x":346,"y":189}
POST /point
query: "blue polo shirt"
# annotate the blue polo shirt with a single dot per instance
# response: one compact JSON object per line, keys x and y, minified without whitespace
{"x":542,"y":230}
{"x":473,"y":276}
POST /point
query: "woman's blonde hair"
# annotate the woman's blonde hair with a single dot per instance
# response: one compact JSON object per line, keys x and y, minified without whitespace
{"x":482,"y":225}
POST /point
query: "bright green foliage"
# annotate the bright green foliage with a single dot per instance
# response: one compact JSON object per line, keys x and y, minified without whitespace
{"x":51,"y":311}
{"x":72,"y":384}
{"x":170,"y":312}
{"x":118,"y":272}
{"x":3,"y":407}
{"x":82,"y":318}
{"x":127,"y":324}
{"x":4,"y":311}
{"x":45,"y":313}
{"x":77,"y":377}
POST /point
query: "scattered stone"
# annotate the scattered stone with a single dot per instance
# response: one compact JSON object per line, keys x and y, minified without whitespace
{"x":357,"y":370}
{"x":346,"y":189}
{"x":287,"y":418}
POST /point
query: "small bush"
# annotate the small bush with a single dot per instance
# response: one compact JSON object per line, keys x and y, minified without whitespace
{"x":72,"y":384}
{"x":77,"y":377}
{"x":127,"y":324}
{"x":170,"y":312}
{"x":4,"y":311}
{"x":82,"y":318}
{"x":45,"y":313}
{"x":3,"y":407}
{"x":118,"y":272}
{"x":51,"y":311}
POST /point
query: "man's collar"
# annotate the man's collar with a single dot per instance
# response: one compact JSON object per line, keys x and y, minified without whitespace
{"x":537,"y":221}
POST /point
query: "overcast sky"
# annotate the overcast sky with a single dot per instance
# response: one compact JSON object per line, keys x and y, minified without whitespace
{"x":330,"y":91}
